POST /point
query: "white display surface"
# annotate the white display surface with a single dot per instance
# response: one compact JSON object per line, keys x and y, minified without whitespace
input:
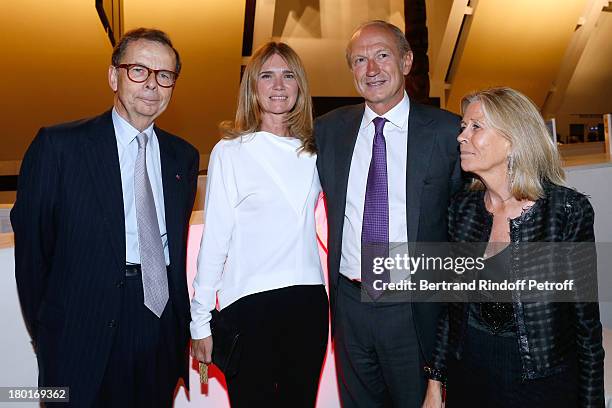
{"x":18,"y":363}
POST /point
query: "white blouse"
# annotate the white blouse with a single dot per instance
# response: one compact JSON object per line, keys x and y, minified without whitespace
{"x":259,"y":223}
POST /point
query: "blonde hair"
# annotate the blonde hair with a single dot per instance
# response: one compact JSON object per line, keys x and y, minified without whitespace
{"x":534,"y":158}
{"x":248,"y":113}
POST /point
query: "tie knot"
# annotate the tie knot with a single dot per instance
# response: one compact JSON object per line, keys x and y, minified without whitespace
{"x":379,"y":124}
{"x":142,"y":140}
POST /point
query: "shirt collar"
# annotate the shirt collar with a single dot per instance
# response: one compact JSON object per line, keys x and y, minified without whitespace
{"x":126,"y":133}
{"x":397,"y":116}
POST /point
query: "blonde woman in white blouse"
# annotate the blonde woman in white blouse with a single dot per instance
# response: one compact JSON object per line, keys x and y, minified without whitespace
{"x":258,"y":256}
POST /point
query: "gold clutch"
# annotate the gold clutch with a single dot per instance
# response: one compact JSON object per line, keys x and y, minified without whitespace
{"x":203,"y":373}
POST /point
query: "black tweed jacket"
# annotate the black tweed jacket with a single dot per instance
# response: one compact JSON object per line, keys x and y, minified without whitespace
{"x":552,"y":336}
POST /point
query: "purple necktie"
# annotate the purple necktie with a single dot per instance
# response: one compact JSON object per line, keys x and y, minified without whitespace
{"x":375,"y":227}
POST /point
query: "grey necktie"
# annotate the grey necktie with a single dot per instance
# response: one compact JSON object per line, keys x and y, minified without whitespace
{"x":153,"y":264}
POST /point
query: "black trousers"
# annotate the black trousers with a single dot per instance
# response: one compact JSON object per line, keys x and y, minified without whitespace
{"x":141,"y":370}
{"x":378,"y":358}
{"x":489,"y":375}
{"x":283,"y":343}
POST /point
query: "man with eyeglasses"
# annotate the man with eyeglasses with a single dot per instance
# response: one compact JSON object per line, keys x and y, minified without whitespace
{"x":100,"y":222}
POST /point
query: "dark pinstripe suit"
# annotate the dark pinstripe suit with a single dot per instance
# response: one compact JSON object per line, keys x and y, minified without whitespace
{"x":70,"y":248}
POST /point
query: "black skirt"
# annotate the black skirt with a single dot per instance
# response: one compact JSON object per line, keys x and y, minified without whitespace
{"x":489,"y":375}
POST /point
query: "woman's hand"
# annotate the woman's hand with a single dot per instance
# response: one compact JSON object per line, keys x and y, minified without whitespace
{"x":201,"y":349}
{"x":433,"y":396}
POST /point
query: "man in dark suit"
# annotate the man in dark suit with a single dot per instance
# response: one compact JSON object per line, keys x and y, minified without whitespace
{"x":100,"y":222}
{"x":388,"y":169}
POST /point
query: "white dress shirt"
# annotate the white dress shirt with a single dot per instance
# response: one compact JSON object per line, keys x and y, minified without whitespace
{"x":396,"y":140}
{"x":127,"y":147}
{"x":259,"y":223}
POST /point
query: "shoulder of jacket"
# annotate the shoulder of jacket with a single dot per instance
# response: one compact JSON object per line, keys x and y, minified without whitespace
{"x":464,"y":202}
{"x":72,"y":127}
{"x":64,"y":135}
{"x":571,"y":199}
{"x":435,"y":113}
{"x":343,"y":112}
{"x":465,"y":195}
{"x":178,"y":141}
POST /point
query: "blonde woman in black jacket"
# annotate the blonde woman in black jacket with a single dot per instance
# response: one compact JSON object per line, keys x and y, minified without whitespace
{"x":522,"y":352}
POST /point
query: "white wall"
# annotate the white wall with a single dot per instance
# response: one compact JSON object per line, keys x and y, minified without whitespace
{"x":595,"y":181}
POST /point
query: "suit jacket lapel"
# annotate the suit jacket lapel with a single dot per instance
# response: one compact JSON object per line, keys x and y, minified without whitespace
{"x":171,"y":181}
{"x":102,"y":158}
{"x":347,"y":137}
{"x":420,"y":145}
{"x":347,"y":132}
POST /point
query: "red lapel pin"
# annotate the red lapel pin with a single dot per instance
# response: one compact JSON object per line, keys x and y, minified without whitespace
{"x":178,"y":177}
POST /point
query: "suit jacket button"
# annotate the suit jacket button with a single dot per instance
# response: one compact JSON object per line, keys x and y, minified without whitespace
{"x":119,"y":284}
{"x":112,"y":324}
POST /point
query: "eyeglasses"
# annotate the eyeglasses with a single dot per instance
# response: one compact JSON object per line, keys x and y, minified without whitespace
{"x":140,"y":73}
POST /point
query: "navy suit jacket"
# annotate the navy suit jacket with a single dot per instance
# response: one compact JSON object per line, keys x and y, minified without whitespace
{"x":433,"y":175}
{"x":69,"y":228}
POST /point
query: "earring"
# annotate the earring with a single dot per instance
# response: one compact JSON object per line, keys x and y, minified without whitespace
{"x":510,"y":166}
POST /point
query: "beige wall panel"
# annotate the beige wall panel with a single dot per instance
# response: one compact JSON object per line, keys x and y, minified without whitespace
{"x":208,"y":34}
{"x":328,"y":73}
{"x":590,"y":89}
{"x":516,"y":43}
{"x":56,"y":57}
{"x":437,"y":17}
{"x":59,"y":54}
{"x":319,"y":31}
